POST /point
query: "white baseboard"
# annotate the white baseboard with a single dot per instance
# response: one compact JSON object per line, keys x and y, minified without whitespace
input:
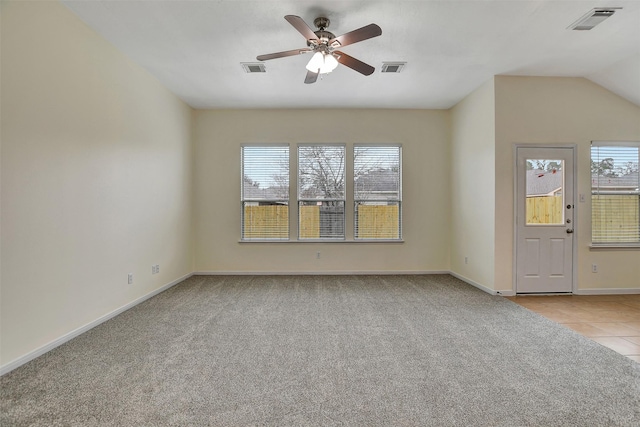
{"x":505,"y":293}
{"x":316,"y":273}
{"x":71,"y":335}
{"x":608,"y":291}
{"x":482,"y":287}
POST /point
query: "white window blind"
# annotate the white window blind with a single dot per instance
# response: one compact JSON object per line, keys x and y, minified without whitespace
{"x":377,"y":176}
{"x":615,"y":194}
{"x":265,"y":192}
{"x":321,"y":191}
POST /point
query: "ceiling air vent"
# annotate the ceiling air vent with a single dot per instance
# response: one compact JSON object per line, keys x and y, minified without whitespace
{"x":392,"y":67}
{"x":592,"y":18}
{"x":253,"y":67}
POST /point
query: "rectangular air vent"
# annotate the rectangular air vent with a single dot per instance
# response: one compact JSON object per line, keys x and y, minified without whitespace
{"x":254,"y":67}
{"x":592,"y":18}
{"x":392,"y":67}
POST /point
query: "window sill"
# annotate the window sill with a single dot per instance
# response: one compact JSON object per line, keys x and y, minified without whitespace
{"x":614,"y":246}
{"x":323,"y":241}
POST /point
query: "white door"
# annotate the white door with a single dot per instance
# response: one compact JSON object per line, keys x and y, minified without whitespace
{"x":544,"y":220}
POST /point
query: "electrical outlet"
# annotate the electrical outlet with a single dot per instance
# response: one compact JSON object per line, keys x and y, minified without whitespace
{"x":155,"y":269}
{"x":130,"y":278}
{"x":466,"y":260}
{"x":594,"y":268}
{"x":318,"y":255}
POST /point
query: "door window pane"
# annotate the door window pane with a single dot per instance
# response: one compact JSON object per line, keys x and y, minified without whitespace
{"x":544,"y":188}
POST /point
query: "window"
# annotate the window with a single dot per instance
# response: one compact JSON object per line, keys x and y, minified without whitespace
{"x":321,"y":191}
{"x":615,"y":194}
{"x":377,"y":194}
{"x":265,"y":192}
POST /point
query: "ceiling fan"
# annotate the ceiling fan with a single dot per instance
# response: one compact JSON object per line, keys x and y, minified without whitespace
{"x":323,"y":44}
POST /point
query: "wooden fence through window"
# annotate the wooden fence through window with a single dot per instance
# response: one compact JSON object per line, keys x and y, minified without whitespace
{"x":265,"y":222}
{"x":614,"y":218}
{"x":544,"y":210}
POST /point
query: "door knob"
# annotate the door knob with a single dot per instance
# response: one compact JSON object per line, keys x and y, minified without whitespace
{"x":569,"y":230}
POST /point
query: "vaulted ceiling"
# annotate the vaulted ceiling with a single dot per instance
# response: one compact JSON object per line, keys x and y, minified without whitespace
{"x":195,"y":48}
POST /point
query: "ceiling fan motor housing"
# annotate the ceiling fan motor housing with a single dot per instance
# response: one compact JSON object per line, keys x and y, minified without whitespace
{"x":321,"y":22}
{"x":324,"y":38}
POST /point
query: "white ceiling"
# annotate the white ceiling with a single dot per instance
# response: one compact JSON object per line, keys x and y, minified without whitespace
{"x":195,"y":48}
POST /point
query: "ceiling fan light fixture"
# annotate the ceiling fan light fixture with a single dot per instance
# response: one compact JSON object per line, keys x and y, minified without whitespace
{"x":322,"y":63}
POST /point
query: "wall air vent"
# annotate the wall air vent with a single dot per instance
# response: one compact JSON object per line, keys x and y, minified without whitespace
{"x":392,"y":67}
{"x":593,"y":18}
{"x":253,"y":67}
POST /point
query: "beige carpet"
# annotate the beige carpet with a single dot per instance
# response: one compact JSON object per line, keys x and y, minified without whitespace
{"x":325,"y":350}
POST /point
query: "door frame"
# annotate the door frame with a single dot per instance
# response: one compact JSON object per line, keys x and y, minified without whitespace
{"x":574,"y":245}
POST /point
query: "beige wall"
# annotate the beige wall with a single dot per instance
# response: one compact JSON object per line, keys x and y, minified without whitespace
{"x":424,"y":136}
{"x":96,"y":178}
{"x":473,"y":177}
{"x":556,"y":110}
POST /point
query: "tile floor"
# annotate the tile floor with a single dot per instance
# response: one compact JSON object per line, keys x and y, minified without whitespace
{"x":611,"y":320}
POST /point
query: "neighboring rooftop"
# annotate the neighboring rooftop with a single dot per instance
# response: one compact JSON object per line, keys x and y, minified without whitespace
{"x":543,"y":183}
{"x":628,"y":182}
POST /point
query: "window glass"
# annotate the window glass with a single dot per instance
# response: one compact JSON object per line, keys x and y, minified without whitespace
{"x":265,"y":192}
{"x":615,"y":195}
{"x":545,"y":195}
{"x":321,"y":191}
{"x":377,"y":182}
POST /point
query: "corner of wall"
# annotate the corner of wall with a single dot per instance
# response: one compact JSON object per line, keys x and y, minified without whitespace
{"x":472,"y":176}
